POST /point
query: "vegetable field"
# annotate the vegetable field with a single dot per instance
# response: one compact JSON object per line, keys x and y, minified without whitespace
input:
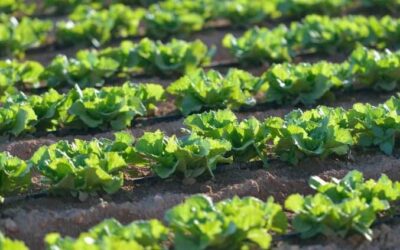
{"x":199,"y":125}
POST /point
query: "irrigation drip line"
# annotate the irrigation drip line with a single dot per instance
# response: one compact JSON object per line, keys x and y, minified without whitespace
{"x":31,"y":196}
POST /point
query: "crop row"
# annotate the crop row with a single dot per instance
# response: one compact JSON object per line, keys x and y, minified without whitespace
{"x":210,"y":139}
{"x":52,"y":7}
{"x":313,"y":34}
{"x":337,"y":208}
{"x":117,"y":106}
{"x":95,"y":27}
{"x":237,"y":10}
{"x":113,"y":107}
{"x":93,"y":67}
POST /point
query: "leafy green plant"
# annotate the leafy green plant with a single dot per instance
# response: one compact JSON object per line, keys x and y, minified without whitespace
{"x":87,"y":69}
{"x":94,"y":67}
{"x":319,"y":215}
{"x":248,"y":138}
{"x":110,"y":234}
{"x":301,"y":83}
{"x":15,"y":175}
{"x":17,"y":119}
{"x":67,"y":6}
{"x":46,"y":107}
{"x":313,"y":34}
{"x":176,"y":56}
{"x":323,"y":34}
{"x":7,"y":243}
{"x":374,"y":126}
{"x":355,"y":185}
{"x":244,"y":12}
{"x":84,"y":166}
{"x":190,"y":156}
{"x":16,"y":7}
{"x":259,"y":45}
{"x":318,"y":132}
{"x":342,"y":206}
{"x":178,"y":17}
{"x":17,"y":36}
{"x":14,"y":74}
{"x":204,"y":90}
{"x":300,"y":8}
{"x":377,"y":70}
{"x":204,"y":8}
{"x":95,"y":27}
{"x":230,"y":224}
{"x":113,"y":107}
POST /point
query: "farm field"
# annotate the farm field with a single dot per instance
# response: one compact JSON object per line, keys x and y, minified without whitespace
{"x":178,"y":124}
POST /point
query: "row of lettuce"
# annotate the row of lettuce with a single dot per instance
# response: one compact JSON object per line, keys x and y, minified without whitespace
{"x":238,"y":10}
{"x":116,"y":107}
{"x":339,"y":207}
{"x":91,"y":68}
{"x":210,"y":139}
{"x":47,"y":8}
{"x":90,"y":26}
{"x":314,"y":34}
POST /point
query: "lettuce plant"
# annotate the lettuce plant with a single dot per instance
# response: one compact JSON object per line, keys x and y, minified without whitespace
{"x":300,"y":8}
{"x":244,"y":12}
{"x":301,"y":83}
{"x":15,"y":74}
{"x":110,"y":234}
{"x":96,"y":27}
{"x":16,"y":7}
{"x":318,"y":132}
{"x":374,"y":126}
{"x":17,"y":36}
{"x":259,"y":45}
{"x":248,"y":138}
{"x":15,"y":175}
{"x":190,"y":156}
{"x":7,"y":243}
{"x":46,"y":107}
{"x":342,"y":206}
{"x":17,"y":119}
{"x":176,"y":56}
{"x":113,"y":107}
{"x":175,"y":17}
{"x":84,"y":166}
{"x":204,"y":90}
{"x":373,"y":69}
{"x":237,"y":223}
